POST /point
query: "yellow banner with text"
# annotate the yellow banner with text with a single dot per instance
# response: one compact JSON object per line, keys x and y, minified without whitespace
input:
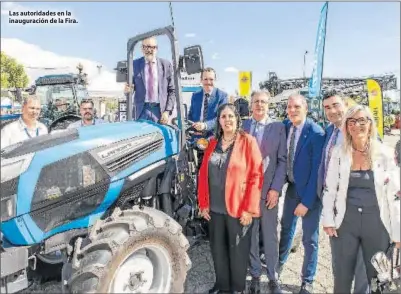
{"x":245,"y":83}
{"x":376,"y":104}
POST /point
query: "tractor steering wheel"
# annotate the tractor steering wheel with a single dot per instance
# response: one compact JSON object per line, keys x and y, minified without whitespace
{"x":189,"y":130}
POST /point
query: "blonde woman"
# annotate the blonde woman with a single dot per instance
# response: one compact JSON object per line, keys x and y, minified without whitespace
{"x":360,"y":207}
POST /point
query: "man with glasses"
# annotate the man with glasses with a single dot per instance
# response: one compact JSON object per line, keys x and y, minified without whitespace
{"x":153,"y":85}
{"x":87,"y":113}
{"x":204,"y":103}
{"x":271,"y":138}
{"x":335,"y":108}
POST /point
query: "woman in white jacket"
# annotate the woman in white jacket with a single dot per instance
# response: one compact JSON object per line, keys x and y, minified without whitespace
{"x":360,"y":206}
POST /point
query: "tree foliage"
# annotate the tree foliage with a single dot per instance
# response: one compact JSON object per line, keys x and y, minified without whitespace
{"x":13,"y":74}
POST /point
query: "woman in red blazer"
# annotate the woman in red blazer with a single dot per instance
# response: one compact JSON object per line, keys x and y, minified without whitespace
{"x":229,"y":192}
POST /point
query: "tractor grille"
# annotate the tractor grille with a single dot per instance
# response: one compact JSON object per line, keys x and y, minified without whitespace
{"x":68,"y":189}
{"x":41,"y":143}
{"x":136,"y":155}
{"x":74,"y":206}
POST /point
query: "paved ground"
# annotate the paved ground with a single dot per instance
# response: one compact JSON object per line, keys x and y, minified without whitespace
{"x":201,"y":276}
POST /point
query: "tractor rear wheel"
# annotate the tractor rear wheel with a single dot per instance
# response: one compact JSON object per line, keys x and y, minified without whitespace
{"x":132,"y":251}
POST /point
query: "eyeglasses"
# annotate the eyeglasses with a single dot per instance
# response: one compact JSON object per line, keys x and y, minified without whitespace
{"x":361,"y":121}
{"x":260,"y":101}
{"x":149,"y":47}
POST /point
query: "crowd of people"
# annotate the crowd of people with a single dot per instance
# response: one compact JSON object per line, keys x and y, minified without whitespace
{"x":341,"y":178}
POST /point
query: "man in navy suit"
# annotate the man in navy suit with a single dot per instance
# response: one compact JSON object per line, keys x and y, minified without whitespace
{"x":305,"y":141}
{"x":204,"y":103}
{"x":335,"y":108}
{"x":271,"y":139}
{"x":153,"y":83}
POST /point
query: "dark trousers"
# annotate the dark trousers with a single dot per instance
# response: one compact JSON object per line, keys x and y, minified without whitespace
{"x":310,"y":233}
{"x":361,"y":284}
{"x":267,"y":224}
{"x":151,"y":111}
{"x":361,"y":227}
{"x":230,"y":244}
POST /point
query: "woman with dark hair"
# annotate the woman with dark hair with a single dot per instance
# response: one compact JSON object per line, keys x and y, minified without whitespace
{"x":229,"y":192}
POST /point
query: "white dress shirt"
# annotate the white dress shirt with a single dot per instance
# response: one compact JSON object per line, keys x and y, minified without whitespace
{"x":18,"y":131}
{"x":155,"y":81}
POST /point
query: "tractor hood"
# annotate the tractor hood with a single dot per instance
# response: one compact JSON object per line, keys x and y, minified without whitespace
{"x":57,"y":169}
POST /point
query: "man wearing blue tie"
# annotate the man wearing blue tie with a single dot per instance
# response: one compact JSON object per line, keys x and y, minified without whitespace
{"x":305,"y":141}
{"x":204,"y":103}
{"x":335,"y":108}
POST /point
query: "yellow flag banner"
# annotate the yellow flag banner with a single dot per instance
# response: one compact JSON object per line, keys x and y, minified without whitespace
{"x":245,"y":83}
{"x":376,"y":104}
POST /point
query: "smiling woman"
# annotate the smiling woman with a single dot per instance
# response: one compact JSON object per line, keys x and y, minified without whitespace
{"x":233,"y":158}
{"x":360,"y":207}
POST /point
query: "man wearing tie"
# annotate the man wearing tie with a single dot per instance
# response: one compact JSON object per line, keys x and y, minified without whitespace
{"x":334,"y":108}
{"x":305,"y":141}
{"x":272,"y":143}
{"x":153,"y":83}
{"x":204,"y":103}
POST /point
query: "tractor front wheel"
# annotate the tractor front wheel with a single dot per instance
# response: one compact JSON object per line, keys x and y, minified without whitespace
{"x":132,"y":251}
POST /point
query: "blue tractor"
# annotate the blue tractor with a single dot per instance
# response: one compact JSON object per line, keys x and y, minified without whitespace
{"x":110,"y":207}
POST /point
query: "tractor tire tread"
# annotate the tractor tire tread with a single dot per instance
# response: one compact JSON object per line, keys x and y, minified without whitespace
{"x":115,"y":236}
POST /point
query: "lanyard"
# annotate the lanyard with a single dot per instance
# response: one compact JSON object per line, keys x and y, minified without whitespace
{"x":26,"y":130}
{"x":29,"y":135}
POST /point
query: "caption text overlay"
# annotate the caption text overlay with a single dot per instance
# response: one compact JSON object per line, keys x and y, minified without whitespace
{"x":41,"y":17}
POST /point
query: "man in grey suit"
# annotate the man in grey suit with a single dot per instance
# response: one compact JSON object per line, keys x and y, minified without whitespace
{"x":271,"y":138}
{"x":153,"y":83}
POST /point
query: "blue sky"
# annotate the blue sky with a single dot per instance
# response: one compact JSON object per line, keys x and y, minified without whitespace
{"x":362,"y":38}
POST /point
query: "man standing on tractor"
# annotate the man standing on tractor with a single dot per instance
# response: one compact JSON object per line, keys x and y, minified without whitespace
{"x":27,"y":126}
{"x":204,"y":103}
{"x":87,"y":112}
{"x":154,"y":97}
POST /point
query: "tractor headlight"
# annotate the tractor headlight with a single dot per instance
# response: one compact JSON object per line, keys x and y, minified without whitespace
{"x":8,"y":207}
{"x":13,"y":167}
{"x":202,"y":143}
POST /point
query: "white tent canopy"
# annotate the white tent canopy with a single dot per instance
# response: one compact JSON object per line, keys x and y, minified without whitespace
{"x":5,"y":101}
{"x":39,"y":62}
{"x":106,"y":94}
